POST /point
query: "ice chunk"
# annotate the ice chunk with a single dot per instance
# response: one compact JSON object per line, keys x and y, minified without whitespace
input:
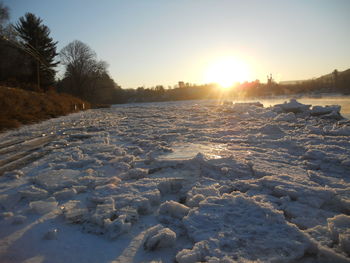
{"x":268,"y":114}
{"x":131,"y":215}
{"x":170,"y":186}
{"x":66,"y":193}
{"x":80,"y":188}
{"x":197,"y":194}
{"x":34,"y":193}
{"x":120,"y":164}
{"x":162,"y":238}
{"x":102,"y":212}
{"x":271,"y":129}
{"x":153,"y":196}
{"x":239,"y":221}
{"x":289,"y":117}
{"x":305,"y":216}
{"x":196,"y":254}
{"x":8,"y":201}
{"x":57,"y":179}
{"x":136,"y":150}
{"x":14,"y":174}
{"x":334,"y":115}
{"x":106,"y":188}
{"x":344,"y":241}
{"x":193,"y":201}
{"x":142,"y":205}
{"x":313,"y":129}
{"x":293,"y":106}
{"x":205,"y":191}
{"x":314,"y":154}
{"x":338,"y":130}
{"x":319,"y":110}
{"x":43,"y":207}
{"x":173,"y":209}
{"x":117,"y":227}
{"x":136,"y":173}
{"x":74,"y":211}
{"x":241,"y":107}
{"x":337,"y":225}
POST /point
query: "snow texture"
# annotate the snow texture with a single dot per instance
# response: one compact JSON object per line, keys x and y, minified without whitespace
{"x":195,"y":181}
{"x":162,"y":238}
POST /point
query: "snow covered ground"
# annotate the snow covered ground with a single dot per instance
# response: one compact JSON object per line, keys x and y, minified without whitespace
{"x":178,"y":182}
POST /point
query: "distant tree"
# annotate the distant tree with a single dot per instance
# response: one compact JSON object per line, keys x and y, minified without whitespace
{"x":335,"y":76}
{"x":35,"y":39}
{"x":78,"y":55}
{"x":160,"y":89}
{"x":4,"y":16}
{"x":6,"y":29}
{"x":85,"y":76}
{"x":80,"y":62}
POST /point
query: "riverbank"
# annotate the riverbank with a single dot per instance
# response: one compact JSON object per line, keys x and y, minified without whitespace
{"x":19,"y":106}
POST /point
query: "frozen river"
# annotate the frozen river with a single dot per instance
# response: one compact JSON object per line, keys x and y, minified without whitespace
{"x":182,"y":182}
{"x":342,"y":100}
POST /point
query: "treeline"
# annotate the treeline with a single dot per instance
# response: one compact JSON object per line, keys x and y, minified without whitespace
{"x":29,"y":60}
{"x":335,"y":82}
{"x":178,"y":92}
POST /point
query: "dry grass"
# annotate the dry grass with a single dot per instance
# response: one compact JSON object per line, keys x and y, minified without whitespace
{"x":19,"y":106}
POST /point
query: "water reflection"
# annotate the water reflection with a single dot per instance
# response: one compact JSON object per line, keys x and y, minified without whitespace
{"x":190,"y":150}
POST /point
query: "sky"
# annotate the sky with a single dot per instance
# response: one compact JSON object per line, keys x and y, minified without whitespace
{"x":161,"y":42}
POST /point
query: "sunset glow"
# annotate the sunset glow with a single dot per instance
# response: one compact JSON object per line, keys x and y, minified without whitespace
{"x":227,"y":71}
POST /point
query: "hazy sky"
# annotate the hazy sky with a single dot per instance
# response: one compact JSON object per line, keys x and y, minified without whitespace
{"x":150,"y":42}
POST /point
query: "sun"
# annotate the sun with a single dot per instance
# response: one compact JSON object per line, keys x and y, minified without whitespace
{"x":227,"y":71}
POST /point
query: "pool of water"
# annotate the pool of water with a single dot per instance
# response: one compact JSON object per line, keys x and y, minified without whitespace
{"x":190,"y":150}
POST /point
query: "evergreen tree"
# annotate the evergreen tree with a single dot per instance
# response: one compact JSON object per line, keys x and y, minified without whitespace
{"x":37,"y":42}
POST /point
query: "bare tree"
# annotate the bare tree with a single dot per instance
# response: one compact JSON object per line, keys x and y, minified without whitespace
{"x":6,"y":29}
{"x":78,"y":55}
{"x":4,"y":15}
{"x":78,"y":59}
{"x":85,"y":76}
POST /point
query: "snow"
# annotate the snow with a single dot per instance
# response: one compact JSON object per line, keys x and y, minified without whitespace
{"x":163,"y":238}
{"x":43,"y":207}
{"x":185,"y":181}
{"x":173,"y":209}
{"x":338,"y":225}
{"x":33,"y":193}
{"x":19,"y":219}
{"x":66,"y":193}
{"x":290,"y":116}
{"x":51,"y":234}
{"x":237,"y":225}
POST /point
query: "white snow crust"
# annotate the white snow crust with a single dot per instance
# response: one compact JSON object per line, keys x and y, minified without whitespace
{"x":195,"y":181}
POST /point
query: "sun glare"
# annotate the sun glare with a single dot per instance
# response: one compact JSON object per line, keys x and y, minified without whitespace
{"x":227,"y":71}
